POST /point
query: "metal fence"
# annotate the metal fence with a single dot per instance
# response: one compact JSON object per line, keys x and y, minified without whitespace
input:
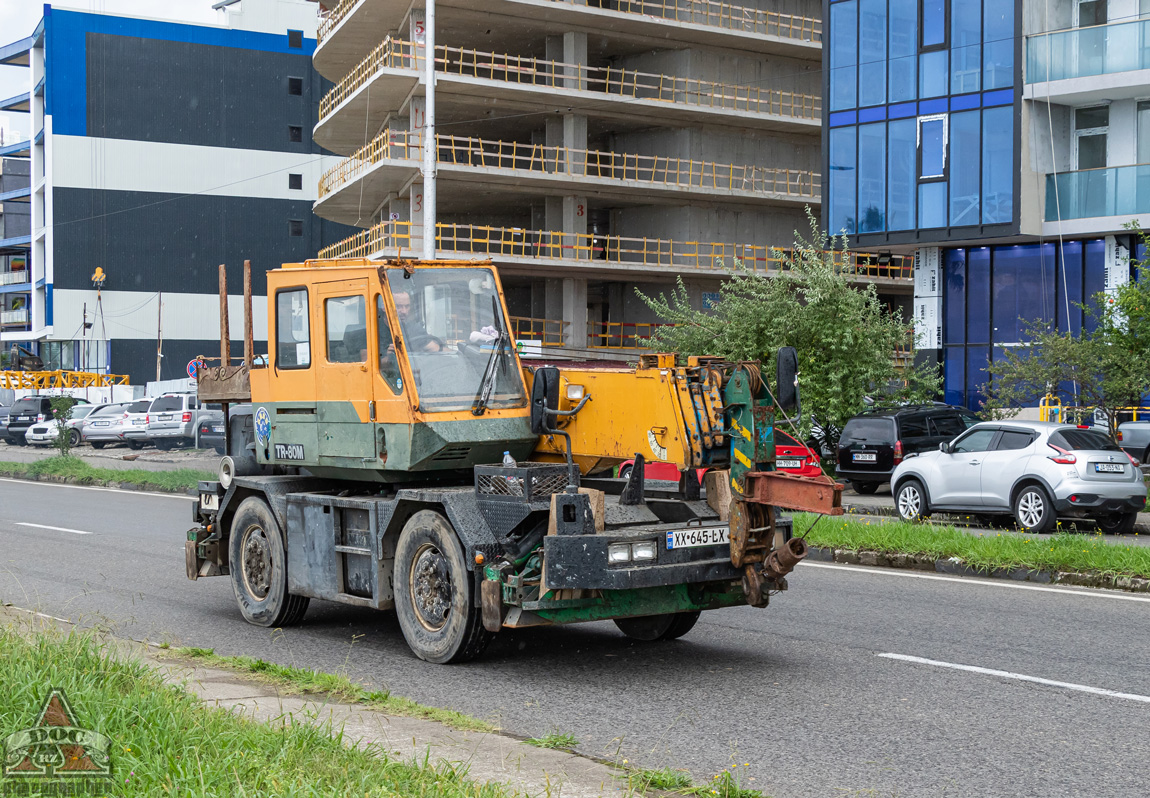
{"x":624,"y":83}
{"x":404,"y":145}
{"x":587,"y":248}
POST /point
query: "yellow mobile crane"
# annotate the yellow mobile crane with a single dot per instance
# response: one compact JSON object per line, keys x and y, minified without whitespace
{"x":397,"y":454}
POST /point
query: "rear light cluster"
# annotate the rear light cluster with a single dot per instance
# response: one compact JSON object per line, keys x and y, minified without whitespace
{"x":39,"y":417}
{"x":1133,"y":462}
{"x":1064,"y":457}
{"x":187,"y":417}
{"x":897,"y":452}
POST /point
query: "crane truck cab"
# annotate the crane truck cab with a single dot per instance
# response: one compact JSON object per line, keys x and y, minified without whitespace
{"x":370,"y":469}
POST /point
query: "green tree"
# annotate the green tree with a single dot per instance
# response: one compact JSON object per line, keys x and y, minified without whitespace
{"x":62,"y":412}
{"x":845,"y":336}
{"x":1103,"y":369}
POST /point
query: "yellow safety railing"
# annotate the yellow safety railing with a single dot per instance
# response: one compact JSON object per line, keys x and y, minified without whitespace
{"x":548,"y":332}
{"x":389,"y":54}
{"x":1050,"y":408}
{"x":404,"y":145}
{"x":709,"y":13}
{"x":330,"y":19}
{"x":44,"y":380}
{"x":624,"y":83}
{"x":515,"y":242}
{"x":620,"y":334}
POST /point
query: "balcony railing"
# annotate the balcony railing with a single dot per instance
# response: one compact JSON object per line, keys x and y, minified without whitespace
{"x":626,"y":83}
{"x":403,"y":145}
{"x":332,"y":18}
{"x":624,"y":335}
{"x":14,"y":278}
{"x":576,"y":248}
{"x":709,"y":13}
{"x":14,"y":316}
{"x":1082,"y":52}
{"x":1111,"y":191}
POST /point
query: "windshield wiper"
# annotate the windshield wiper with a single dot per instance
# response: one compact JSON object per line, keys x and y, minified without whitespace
{"x":487,"y":387}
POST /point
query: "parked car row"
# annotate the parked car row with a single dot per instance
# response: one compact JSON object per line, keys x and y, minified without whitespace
{"x":165,"y":421}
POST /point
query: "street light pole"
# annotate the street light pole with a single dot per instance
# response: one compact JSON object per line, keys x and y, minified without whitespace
{"x":429,"y":143}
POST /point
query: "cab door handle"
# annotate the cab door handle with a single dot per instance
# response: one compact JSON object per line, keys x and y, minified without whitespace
{"x":975,"y":462}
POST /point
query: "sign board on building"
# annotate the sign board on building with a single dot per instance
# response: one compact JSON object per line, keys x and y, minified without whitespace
{"x":711,"y":299}
{"x":927,"y":271}
{"x":1117,"y":265}
{"x":927,"y":322}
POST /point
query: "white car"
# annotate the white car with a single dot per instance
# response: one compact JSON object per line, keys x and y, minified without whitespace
{"x":1034,"y":471}
{"x":45,"y":433}
{"x":104,"y":426}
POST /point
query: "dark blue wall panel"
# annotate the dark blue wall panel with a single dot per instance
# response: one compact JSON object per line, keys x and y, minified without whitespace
{"x":67,"y":60}
{"x":198,"y":94}
{"x":165,"y":242}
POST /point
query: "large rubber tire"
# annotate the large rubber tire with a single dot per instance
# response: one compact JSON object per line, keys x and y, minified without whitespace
{"x":165,"y":445}
{"x":650,"y":628}
{"x":434,"y":592}
{"x":624,"y":472}
{"x":135,"y":445}
{"x":259,"y":568}
{"x":910,"y":502}
{"x":865,"y":488}
{"x":98,"y":444}
{"x":1116,"y":523}
{"x":1033,"y":510}
{"x":73,"y":438}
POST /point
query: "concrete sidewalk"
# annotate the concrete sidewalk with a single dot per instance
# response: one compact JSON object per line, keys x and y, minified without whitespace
{"x":488,"y":757}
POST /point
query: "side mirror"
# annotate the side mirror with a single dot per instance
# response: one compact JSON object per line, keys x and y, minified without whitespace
{"x":544,"y":392}
{"x":787,"y":369}
{"x":944,"y":447}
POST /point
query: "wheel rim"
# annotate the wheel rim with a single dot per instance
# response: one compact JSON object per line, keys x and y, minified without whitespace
{"x":74,"y":438}
{"x":1031,"y":508}
{"x":909,"y":502}
{"x":256,"y":562}
{"x":431,"y":588}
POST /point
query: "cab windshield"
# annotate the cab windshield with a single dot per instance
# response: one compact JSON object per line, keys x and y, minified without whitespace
{"x":457,"y":340}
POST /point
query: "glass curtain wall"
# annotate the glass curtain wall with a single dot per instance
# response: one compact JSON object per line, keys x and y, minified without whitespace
{"x":921,"y":114}
{"x":990,"y":293}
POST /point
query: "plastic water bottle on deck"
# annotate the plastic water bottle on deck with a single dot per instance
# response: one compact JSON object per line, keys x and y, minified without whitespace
{"x":514,"y":484}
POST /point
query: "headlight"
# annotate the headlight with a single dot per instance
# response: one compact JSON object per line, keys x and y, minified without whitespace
{"x":619,"y":552}
{"x":643,"y":551}
{"x":574,"y":392}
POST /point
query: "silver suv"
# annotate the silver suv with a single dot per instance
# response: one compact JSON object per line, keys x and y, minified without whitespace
{"x":172,"y":419}
{"x":1036,"y":471}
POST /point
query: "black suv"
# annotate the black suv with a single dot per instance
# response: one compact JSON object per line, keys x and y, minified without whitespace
{"x":28,"y":411}
{"x":875,"y":442}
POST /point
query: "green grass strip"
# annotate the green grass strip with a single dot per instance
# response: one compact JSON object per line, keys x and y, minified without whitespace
{"x":165,"y":742}
{"x":179,"y":480}
{"x":307,"y":681}
{"x":985,"y":550}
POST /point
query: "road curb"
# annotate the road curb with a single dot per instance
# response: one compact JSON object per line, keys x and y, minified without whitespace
{"x":956,"y":567}
{"x":145,"y":487}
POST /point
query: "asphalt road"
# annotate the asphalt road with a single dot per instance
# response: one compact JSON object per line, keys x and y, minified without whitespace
{"x":798,"y":690}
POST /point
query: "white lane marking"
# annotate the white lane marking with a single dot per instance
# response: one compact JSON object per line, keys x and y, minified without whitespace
{"x":106,"y":490}
{"x":1081,"y":688}
{"x":53,"y":528}
{"x":967,"y":580}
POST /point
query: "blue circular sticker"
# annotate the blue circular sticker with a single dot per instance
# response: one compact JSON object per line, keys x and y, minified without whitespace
{"x":263,"y":426}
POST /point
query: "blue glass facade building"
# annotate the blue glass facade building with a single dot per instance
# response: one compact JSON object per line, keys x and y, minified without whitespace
{"x":923,"y":131}
{"x":922,"y":111}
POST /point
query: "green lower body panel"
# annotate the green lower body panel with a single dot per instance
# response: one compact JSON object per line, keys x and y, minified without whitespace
{"x":643,"y":601}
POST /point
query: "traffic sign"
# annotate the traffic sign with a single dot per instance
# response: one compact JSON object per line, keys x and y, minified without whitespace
{"x":192,"y":367}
